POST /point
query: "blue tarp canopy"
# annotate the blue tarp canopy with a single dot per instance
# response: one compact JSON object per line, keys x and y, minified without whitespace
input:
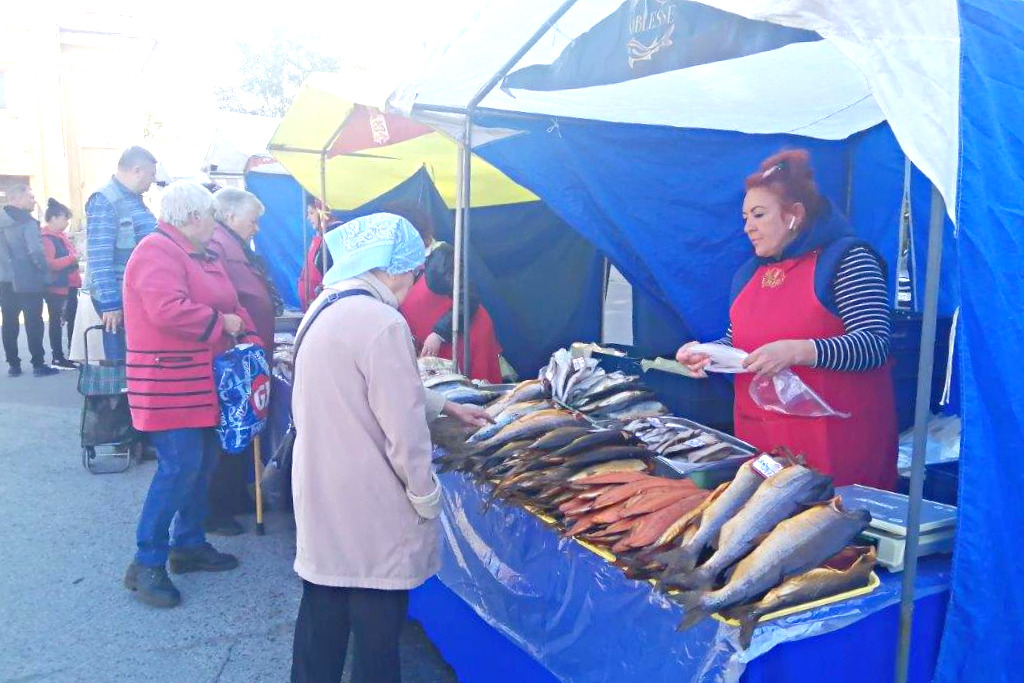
{"x":637,"y":121}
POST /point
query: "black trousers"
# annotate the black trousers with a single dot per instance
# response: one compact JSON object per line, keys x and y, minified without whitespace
{"x":55,"y":307}
{"x":12,"y":305}
{"x":70,"y":311}
{"x":229,"y":493}
{"x":327,"y":615}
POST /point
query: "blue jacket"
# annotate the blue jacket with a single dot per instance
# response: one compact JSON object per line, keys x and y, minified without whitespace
{"x":116,"y":220}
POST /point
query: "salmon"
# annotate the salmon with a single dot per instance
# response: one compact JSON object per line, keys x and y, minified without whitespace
{"x":652,"y":526}
{"x":613,"y":466}
{"x":775,"y":499}
{"x":612,"y":478}
{"x":793,"y":547}
{"x":849,"y":569}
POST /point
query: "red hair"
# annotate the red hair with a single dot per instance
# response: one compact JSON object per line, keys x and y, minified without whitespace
{"x":789,"y":176}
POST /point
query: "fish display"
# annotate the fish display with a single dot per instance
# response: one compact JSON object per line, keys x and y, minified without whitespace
{"x":793,"y":547}
{"x":775,"y":500}
{"x":581,"y":385}
{"x":678,"y":441}
{"x":848,"y":570}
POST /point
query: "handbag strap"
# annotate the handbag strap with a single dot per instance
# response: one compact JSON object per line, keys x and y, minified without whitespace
{"x":331,"y":298}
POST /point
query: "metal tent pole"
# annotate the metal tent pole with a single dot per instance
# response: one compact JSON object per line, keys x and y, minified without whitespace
{"x":305,"y":243}
{"x":460,"y":293}
{"x":457,"y":284}
{"x":921,"y":414}
{"x":324,"y":209}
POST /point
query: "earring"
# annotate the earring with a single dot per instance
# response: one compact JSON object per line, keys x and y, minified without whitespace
{"x":792,"y":224}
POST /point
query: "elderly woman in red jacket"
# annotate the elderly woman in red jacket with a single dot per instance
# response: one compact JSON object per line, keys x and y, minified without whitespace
{"x":238,"y":213}
{"x":180,"y":311}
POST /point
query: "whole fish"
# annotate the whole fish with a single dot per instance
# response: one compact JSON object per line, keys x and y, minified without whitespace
{"x":532,"y":425}
{"x":613,"y":466}
{"x":652,"y":526}
{"x":586,"y":385}
{"x":612,"y":478}
{"x":592,"y":456}
{"x":577,"y":377}
{"x":617,"y":401}
{"x":720,"y":511}
{"x":711,"y":453}
{"x":612,"y":386}
{"x":793,"y":547}
{"x":507,"y":417}
{"x":848,"y":570}
{"x":776,"y":499}
{"x":558,"y":438}
{"x":469,"y":395}
{"x":643,"y":409}
{"x":589,"y":441}
{"x":530,"y":390}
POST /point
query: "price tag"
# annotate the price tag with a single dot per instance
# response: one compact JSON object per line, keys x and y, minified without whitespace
{"x":766,"y":466}
{"x":579,"y":363}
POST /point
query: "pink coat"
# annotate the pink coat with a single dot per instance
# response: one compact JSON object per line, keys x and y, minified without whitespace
{"x":249,"y":284}
{"x":174,"y":298}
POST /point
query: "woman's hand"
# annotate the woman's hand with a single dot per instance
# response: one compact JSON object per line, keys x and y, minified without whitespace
{"x":233,"y":324}
{"x":773,"y":358}
{"x":694,"y":362}
{"x":431,"y":346}
{"x":469,"y":415}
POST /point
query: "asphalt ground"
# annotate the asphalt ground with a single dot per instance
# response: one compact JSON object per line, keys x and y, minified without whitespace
{"x":67,"y":537}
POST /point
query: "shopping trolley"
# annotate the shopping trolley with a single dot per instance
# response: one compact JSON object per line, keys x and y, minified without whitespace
{"x":106,"y":420}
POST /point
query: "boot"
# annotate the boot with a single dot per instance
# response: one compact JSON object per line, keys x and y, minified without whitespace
{"x":151,"y":585}
{"x":205,"y":558}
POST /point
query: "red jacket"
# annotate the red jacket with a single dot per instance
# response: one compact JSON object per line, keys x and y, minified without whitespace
{"x":422,"y":308}
{"x":249,"y":284}
{"x":311,"y":279}
{"x":174,"y":299}
{"x":63,"y":261}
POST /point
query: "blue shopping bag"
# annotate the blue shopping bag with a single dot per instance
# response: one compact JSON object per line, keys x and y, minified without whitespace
{"x":243,"y":389}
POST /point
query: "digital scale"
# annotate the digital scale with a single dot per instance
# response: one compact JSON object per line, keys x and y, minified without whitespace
{"x":888,"y":528}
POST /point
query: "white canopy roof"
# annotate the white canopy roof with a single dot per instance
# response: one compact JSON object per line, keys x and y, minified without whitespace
{"x":878,"y":60}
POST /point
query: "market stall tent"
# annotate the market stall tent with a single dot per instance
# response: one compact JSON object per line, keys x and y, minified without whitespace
{"x":541,"y":282}
{"x":628,"y":107}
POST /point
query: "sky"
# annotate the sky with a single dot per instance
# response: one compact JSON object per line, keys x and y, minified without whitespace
{"x":196,"y":45}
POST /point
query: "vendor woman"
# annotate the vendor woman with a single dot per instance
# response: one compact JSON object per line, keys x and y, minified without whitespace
{"x":813,"y":298}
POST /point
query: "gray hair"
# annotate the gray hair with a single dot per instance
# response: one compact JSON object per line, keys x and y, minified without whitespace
{"x":229,"y":201}
{"x":184,"y":201}
{"x":18,"y":191}
{"x":133,"y":157}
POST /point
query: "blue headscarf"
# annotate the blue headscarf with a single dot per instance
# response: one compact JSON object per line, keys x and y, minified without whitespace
{"x":380,"y":240}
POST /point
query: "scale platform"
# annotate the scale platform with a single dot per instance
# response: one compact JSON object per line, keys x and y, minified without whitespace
{"x":888,"y":528}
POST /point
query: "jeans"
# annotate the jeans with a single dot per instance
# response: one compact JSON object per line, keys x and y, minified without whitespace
{"x":329,"y":615}
{"x":55,"y":305}
{"x":70,"y":311}
{"x":12,"y":305}
{"x":178,"y":493}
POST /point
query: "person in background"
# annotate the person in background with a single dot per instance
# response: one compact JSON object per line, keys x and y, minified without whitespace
{"x":24,"y":275}
{"x":812,"y":298}
{"x":366,"y":499}
{"x":318,"y":260}
{"x":180,"y":311}
{"x":65,"y":278}
{"x":237,"y":214}
{"x":116,"y":219}
{"x":428,"y":309}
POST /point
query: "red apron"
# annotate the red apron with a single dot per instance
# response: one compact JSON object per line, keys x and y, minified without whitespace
{"x":311,"y":279}
{"x":422,"y":308}
{"x":779,"y":302}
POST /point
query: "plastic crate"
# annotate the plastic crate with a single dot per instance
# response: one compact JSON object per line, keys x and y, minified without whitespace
{"x":905,"y":351}
{"x":941,"y":482}
{"x":707,"y":401}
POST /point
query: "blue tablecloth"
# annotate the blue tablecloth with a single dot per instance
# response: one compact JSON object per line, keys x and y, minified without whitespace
{"x":565,"y":614}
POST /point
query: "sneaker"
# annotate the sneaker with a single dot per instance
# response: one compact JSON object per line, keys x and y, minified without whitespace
{"x":64,"y":364}
{"x":205,"y":558}
{"x":44,"y":371}
{"x":151,"y":585}
{"x":14,"y":371}
{"x":223,"y":526}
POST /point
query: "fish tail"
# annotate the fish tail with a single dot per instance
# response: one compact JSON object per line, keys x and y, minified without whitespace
{"x":748,"y":622}
{"x":693,"y":604}
{"x":684,"y":560}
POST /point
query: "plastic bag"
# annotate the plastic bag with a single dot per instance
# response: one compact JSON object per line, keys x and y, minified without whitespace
{"x":243,"y":389}
{"x":787,"y":394}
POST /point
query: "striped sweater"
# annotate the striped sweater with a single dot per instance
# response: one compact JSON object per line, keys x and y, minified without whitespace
{"x":860,"y":294}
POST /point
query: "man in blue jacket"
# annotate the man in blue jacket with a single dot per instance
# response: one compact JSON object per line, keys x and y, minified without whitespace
{"x":24,"y":275}
{"x":116,"y":220}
